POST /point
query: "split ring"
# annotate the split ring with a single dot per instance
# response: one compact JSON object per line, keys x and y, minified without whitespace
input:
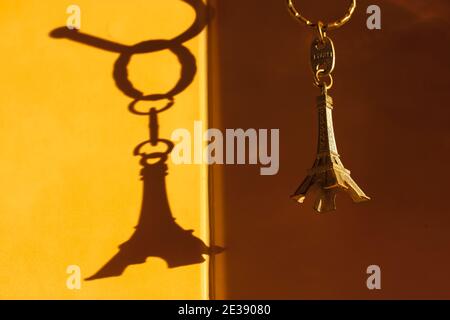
{"x":320,"y":83}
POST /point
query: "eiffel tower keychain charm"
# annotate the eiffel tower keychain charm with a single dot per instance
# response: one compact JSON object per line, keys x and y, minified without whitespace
{"x":328,"y":175}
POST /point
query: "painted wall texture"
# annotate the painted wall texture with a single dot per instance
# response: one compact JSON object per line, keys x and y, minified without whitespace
{"x":71,"y":190}
{"x":391,"y":123}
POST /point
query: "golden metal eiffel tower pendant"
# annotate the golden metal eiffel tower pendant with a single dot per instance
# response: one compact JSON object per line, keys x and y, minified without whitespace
{"x":328,"y":175}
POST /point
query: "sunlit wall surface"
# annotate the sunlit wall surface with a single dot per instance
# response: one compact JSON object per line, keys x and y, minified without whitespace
{"x":71,"y":189}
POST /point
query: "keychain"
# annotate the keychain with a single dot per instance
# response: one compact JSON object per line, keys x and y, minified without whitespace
{"x":328,"y":175}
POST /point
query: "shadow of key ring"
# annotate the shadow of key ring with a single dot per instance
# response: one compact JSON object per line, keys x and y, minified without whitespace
{"x":162,"y":156}
{"x":327,"y":26}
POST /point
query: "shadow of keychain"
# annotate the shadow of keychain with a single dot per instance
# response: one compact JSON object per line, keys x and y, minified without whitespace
{"x":157,"y":234}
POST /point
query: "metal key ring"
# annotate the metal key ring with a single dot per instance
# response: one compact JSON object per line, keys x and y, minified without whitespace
{"x":327,"y":26}
{"x":319,"y":74}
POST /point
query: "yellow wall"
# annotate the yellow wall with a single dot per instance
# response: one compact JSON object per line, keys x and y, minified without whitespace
{"x":70,"y":186}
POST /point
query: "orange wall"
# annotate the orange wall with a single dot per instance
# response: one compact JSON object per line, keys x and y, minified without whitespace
{"x":391,"y":124}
